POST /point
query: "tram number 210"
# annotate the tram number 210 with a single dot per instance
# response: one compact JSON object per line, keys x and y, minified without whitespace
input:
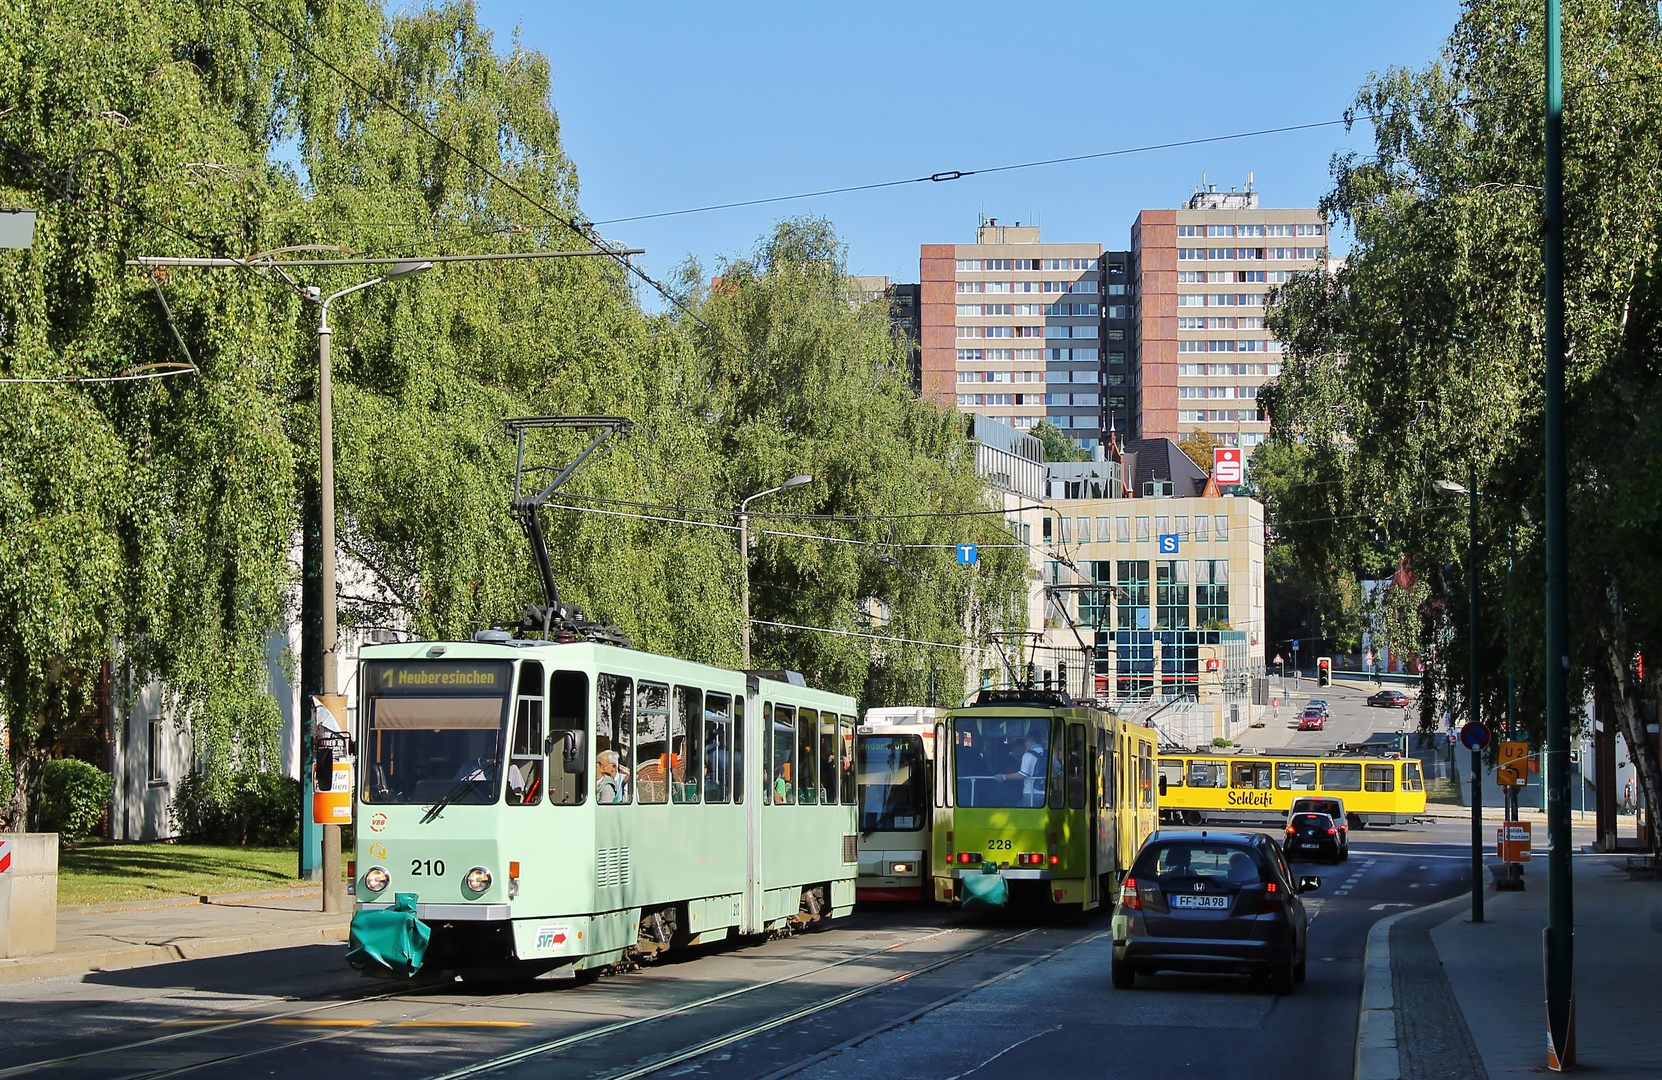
{"x":427,"y":867}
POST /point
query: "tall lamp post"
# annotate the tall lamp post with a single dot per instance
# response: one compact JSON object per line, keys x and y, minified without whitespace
{"x":334,"y":890}
{"x":744,"y":558}
{"x":1471,"y":493}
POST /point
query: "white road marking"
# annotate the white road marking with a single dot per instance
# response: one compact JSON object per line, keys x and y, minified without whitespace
{"x":1392,"y":904}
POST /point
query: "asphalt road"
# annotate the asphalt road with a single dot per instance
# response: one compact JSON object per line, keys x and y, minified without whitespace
{"x":912,"y":992}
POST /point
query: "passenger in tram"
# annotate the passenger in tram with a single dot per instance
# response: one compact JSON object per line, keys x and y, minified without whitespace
{"x":611,"y":781}
{"x":782,"y":784}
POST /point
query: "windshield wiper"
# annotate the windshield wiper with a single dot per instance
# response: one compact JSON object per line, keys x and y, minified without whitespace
{"x":451,"y":796}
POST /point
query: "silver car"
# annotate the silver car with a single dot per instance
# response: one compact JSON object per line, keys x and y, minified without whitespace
{"x":1211,"y":901}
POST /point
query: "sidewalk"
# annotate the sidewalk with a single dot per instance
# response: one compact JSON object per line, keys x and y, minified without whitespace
{"x":139,"y":933}
{"x":1443,"y":997}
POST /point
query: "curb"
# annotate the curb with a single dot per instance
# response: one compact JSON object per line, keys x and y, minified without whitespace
{"x":123,"y":957}
{"x":1376,"y":1019}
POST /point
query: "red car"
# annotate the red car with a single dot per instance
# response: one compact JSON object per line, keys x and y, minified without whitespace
{"x":1312,"y":720}
{"x":1390,"y":699}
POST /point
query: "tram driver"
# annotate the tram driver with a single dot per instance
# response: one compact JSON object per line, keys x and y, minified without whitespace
{"x":1031,"y":771}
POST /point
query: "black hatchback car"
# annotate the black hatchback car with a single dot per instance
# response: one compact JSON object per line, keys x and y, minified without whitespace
{"x":1390,"y":699}
{"x":1211,"y":901}
{"x":1313,"y":836}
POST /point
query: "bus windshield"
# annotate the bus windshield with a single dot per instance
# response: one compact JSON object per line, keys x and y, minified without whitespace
{"x":1001,"y":761}
{"x":893,"y":787}
{"x":433,"y":731}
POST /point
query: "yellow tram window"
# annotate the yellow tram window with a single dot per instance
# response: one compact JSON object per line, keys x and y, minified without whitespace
{"x":1212,"y":774}
{"x":1295,"y":775}
{"x":1171,"y":771}
{"x":1379,"y":778}
{"x":1251,"y":774}
{"x":1342,"y":776}
{"x":1411,"y":776}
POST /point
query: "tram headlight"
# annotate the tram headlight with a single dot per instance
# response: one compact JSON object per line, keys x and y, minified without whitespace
{"x":901,"y":868}
{"x":376,"y":879}
{"x":478,"y":880}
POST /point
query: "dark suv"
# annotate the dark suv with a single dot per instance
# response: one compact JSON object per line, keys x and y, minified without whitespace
{"x":1212,"y":901}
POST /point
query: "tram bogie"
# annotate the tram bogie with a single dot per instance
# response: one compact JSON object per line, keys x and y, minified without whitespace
{"x":571,"y":805}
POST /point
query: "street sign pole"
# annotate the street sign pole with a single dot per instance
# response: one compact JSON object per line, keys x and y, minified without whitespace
{"x":1560,"y":945}
{"x":1473,"y":702}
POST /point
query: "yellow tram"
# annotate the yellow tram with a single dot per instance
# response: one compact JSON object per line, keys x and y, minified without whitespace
{"x":1376,"y":790}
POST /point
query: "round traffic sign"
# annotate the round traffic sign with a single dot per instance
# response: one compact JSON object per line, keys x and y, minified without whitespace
{"x":1474,"y":736}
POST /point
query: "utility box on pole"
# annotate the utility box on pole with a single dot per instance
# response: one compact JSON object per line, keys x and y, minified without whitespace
{"x":28,"y":893}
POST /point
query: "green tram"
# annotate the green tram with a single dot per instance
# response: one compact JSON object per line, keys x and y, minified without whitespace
{"x":1058,"y":796}
{"x":566,"y":805}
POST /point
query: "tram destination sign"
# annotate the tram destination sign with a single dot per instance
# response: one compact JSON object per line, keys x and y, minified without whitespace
{"x":453,"y":677}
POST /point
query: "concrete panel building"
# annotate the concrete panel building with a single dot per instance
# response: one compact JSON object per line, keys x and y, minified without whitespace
{"x":1199,"y":276}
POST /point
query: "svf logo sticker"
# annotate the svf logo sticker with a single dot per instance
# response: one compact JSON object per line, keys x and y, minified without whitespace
{"x":550,"y":936}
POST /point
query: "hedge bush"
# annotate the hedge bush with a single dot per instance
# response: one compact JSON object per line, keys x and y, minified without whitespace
{"x":262,"y":809}
{"x":73,"y":798}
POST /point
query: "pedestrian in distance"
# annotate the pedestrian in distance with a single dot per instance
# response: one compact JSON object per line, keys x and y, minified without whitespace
{"x":1627,"y":797}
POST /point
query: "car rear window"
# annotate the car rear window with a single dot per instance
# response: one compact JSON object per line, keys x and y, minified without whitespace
{"x":1320,"y":821}
{"x":1227,"y":863}
{"x":1316,"y":806}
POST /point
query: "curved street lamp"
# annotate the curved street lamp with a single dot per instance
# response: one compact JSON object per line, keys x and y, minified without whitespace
{"x":744,"y":559}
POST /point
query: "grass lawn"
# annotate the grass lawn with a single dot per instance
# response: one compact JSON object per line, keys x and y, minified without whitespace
{"x":101,"y":872}
{"x":1443,"y":790}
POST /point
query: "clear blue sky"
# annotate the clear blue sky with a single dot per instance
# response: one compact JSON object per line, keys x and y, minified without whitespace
{"x":671,"y":105}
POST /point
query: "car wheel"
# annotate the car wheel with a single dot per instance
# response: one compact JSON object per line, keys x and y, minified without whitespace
{"x":1122,"y":975}
{"x":1281,"y":980}
{"x":1299,"y":968}
{"x":1344,"y":853}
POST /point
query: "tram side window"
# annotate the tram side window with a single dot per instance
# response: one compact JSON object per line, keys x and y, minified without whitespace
{"x":652,"y":731}
{"x":1411,"y":776}
{"x":525,"y":750}
{"x":1075,"y":766}
{"x":845,"y":726}
{"x":1054,"y":748}
{"x":1342,"y":776}
{"x":614,"y":743}
{"x":1295,"y":775}
{"x":943,"y":766}
{"x":780,"y":723}
{"x":830,"y":767}
{"x":738,"y":750}
{"x":718,"y":743}
{"x":1251,"y":774}
{"x":1213,"y":774}
{"x":1111,"y":773}
{"x":807,"y":753}
{"x":566,"y":747}
{"x":1171,"y":774}
{"x":1379,"y":778}
{"x":1145,"y":769}
{"x":686,"y":742}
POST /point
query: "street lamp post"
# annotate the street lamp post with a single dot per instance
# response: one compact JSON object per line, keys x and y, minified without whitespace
{"x":1472,"y":677}
{"x":744,"y":560}
{"x":334,"y":892}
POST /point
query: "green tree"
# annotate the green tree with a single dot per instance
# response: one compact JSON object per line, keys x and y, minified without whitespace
{"x":1058,"y":444}
{"x":1420,"y":359}
{"x":1198,"y":445}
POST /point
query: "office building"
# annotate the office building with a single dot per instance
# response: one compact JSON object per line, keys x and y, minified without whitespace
{"x":1199,"y":351}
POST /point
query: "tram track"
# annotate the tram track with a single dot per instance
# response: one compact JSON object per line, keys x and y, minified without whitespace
{"x":347,"y":1029}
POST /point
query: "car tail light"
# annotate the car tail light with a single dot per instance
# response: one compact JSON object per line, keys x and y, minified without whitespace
{"x":1332,"y":830}
{"x":1289,"y":830}
{"x":1128,"y":895}
{"x":1271,"y":902}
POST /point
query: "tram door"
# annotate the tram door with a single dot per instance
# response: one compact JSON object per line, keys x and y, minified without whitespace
{"x":1093,"y":804}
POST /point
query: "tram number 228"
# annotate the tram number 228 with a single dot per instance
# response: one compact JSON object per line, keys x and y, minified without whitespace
{"x":427,"y":867}
{"x":998,"y":845}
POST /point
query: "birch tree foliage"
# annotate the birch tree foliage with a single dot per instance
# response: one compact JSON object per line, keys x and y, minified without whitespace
{"x":1422,"y":358}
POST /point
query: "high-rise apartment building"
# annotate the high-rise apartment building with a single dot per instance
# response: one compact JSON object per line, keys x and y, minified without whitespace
{"x":1016,"y":329}
{"x":1199,"y":275}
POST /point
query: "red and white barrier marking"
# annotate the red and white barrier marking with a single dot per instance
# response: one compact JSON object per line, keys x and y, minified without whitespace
{"x":5,"y":856}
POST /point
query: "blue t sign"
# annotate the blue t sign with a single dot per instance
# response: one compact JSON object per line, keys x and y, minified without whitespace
{"x":1168,"y":543}
{"x":966,"y":553}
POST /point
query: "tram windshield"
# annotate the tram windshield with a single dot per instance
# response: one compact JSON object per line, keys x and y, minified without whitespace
{"x":1001,"y":761}
{"x":434,"y":731}
{"x":893,"y":783}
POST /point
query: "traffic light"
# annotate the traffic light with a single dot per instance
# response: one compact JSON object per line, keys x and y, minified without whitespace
{"x":1324,"y":671}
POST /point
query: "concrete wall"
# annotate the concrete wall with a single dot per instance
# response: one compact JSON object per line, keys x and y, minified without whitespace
{"x":28,"y":893}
